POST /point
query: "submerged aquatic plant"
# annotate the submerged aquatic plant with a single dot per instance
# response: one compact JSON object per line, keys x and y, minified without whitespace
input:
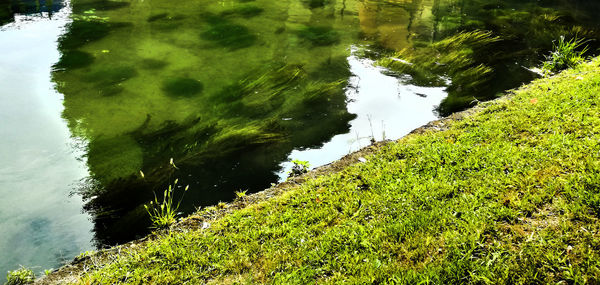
{"x":459,"y":62}
{"x":20,"y":276}
{"x":319,"y":35}
{"x":182,"y":87}
{"x":247,"y":11}
{"x":163,"y":213}
{"x":72,"y":59}
{"x":565,"y":54}
{"x":449,"y":57}
{"x":227,"y":34}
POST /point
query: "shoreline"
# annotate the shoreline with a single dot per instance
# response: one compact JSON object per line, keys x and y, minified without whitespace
{"x":195,"y":221}
{"x":521,"y":218}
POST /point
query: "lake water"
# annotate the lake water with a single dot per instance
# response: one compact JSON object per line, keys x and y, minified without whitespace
{"x":95,"y":92}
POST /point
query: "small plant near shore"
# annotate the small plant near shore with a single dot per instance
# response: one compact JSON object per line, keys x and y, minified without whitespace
{"x":565,"y":54}
{"x":163,"y":213}
{"x":300,"y":167}
{"x":20,"y":276}
{"x":240,"y":194}
{"x":85,"y":254}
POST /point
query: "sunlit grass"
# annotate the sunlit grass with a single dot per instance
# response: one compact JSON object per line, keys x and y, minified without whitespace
{"x":508,"y":195}
{"x":565,"y":54}
{"x":20,"y":276}
{"x":163,"y":213}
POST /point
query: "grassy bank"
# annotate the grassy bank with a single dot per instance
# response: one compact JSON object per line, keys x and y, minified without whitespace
{"x":508,"y":193}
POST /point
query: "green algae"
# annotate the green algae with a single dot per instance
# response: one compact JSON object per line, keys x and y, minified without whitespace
{"x":100,"y":5}
{"x":74,"y":59}
{"x":246,"y":11}
{"x":182,"y":87}
{"x":313,"y":4}
{"x":156,"y":17}
{"x":165,"y":21}
{"x":319,"y":35}
{"x":230,"y":35}
{"x":111,"y":75}
{"x":81,"y":32}
{"x":153,"y":64}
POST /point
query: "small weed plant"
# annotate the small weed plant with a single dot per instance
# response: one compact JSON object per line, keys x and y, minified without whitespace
{"x":239,"y":194}
{"x":20,"y":276}
{"x":300,"y":167}
{"x":565,"y":54}
{"x":163,"y":213}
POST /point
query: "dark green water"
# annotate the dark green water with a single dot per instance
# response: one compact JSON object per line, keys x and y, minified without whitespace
{"x":232,"y":90}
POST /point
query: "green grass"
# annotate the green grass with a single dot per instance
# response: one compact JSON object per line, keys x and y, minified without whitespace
{"x":507,"y":195}
{"x":164,"y":213}
{"x":565,"y":54}
{"x":20,"y":276}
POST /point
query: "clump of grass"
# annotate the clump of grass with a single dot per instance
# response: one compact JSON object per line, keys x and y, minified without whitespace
{"x":565,"y":54}
{"x":240,"y":194}
{"x":20,"y":276}
{"x":163,"y":213}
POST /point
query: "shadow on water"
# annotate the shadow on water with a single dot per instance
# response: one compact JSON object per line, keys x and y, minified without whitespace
{"x":228,"y":91}
{"x":227,"y":96}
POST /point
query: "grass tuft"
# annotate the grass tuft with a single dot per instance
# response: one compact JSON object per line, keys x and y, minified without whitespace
{"x":20,"y":276}
{"x":565,"y":54}
{"x":163,"y":213}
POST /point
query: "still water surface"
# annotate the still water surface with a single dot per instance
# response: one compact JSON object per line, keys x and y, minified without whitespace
{"x":92,"y":92}
{"x":41,"y":224}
